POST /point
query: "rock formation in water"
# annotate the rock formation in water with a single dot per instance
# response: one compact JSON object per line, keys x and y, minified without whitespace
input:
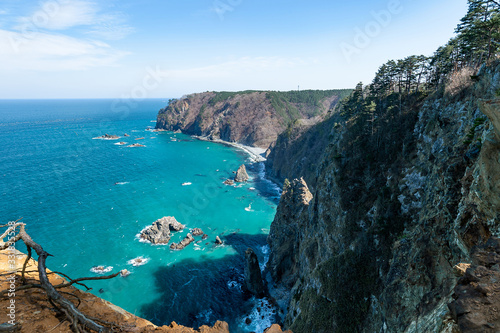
{"x":253,"y":278}
{"x":183,"y":243}
{"x":197,"y":232}
{"x":241,"y":174}
{"x":159,"y":231}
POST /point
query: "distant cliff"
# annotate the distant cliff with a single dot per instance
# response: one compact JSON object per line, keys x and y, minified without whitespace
{"x":400,"y":195}
{"x":253,"y":118}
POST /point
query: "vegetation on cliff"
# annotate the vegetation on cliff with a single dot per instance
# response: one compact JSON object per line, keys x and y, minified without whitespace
{"x":402,"y":189}
{"x":253,"y":118}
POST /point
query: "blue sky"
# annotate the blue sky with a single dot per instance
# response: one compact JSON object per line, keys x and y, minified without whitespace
{"x":168,"y":48}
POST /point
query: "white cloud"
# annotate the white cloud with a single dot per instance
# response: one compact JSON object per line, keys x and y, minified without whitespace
{"x":3,"y":12}
{"x":52,"y":52}
{"x":59,"y":15}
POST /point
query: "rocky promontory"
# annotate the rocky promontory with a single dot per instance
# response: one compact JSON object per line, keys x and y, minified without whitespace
{"x":253,"y":118}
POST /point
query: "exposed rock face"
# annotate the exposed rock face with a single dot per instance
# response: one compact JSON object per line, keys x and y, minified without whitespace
{"x":253,"y":118}
{"x":241,"y":174}
{"x":253,"y":277}
{"x":275,"y":329}
{"x":284,"y":236}
{"x":159,"y":231}
{"x":218,"y":241}
{"x":393,"y":211}
{"x":183,"y":243}
{"x":477,"y":294}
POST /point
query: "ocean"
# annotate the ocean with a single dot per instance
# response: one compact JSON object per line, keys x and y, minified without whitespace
{"x":85,"y":200}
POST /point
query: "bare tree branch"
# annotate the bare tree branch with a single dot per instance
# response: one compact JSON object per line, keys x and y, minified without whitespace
{"x":78,"y":320}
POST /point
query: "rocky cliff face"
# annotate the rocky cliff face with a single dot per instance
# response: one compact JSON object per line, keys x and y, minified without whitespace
{"x":253,"y":118}
{"x":393,"y":209}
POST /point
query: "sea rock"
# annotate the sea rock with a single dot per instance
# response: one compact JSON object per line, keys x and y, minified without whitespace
{"x":218,"y":240}
{"x":136,"y":145}
{"x":185,"y":242}
{"x":197,"y":232}
{"x":241,"y":174}
{"x":205,"y":236}
{"x":126,"y":134}
{"x":253,"y":277}
{"x":108,"y":137}
{"x":159,"y":231}
{"x":229,"y":182}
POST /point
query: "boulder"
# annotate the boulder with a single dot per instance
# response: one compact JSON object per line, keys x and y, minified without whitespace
{"x":185,"y":242}
{"x":229,"y":182}
{"x":197,"y":232}
{"x":253,"y":277}
{"x":241,"y":174}
{"x":218,"y":241}
{"x":159,"y":231}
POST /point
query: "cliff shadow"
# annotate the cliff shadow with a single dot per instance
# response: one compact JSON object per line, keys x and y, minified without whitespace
{"x":200,"y":291}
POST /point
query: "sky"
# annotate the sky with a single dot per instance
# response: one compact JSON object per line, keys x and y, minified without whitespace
{"x":169,"y":48}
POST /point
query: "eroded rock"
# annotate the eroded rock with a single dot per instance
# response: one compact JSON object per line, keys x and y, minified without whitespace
{"x":159,"y":231}
{"x":253,"y":277}
{"x":183,"y":243}
{"x":241,"y":174}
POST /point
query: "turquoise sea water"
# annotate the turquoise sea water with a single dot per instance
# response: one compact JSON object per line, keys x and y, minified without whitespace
{"x":85,"y":201}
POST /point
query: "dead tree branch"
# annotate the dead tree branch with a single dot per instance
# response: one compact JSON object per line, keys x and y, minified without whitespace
{"x":78,"y":320}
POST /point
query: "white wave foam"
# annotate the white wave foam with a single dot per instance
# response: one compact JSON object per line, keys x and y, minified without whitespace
{"x":139,"y":261}
{"x":121,"y":183}
{"x":101,"y":269}
{"x":265,"y":251}
{"x":261,"y":316}
{"x":234,"y":285}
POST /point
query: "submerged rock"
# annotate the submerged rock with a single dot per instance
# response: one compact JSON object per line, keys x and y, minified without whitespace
{"x":241,"y":174}
{"x":185,"y":242}
{"x":159,"y":231}
{"x":253,"y":277}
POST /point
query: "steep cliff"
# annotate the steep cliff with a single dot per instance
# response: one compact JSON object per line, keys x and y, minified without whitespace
{"x":253,"y":118}
{"x":396,"y":203}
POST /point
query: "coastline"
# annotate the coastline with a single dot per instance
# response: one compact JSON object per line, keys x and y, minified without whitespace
{"x":255,"y":153}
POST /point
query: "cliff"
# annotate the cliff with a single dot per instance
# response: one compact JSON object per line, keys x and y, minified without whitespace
{"x":253,"y":118}
{"x":396,"y":204}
